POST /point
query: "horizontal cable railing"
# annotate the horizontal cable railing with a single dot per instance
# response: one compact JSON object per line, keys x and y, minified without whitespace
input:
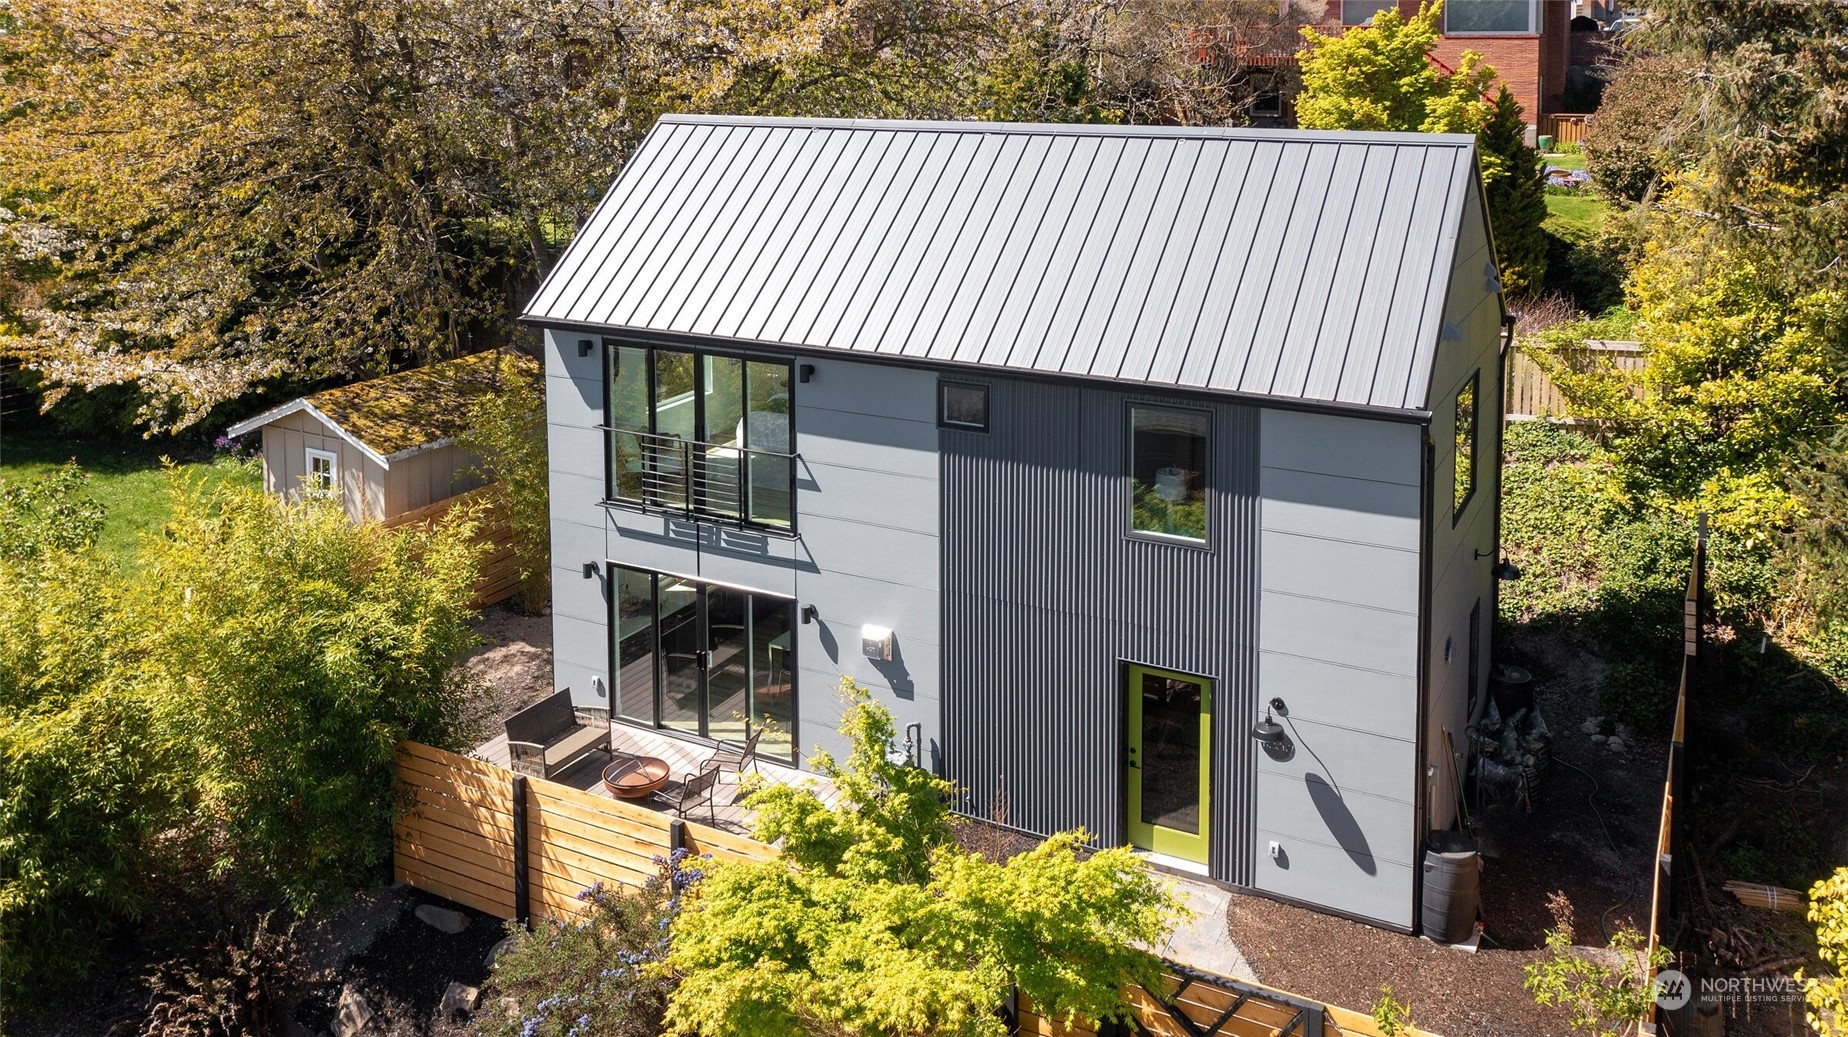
{"x":712,"y":480}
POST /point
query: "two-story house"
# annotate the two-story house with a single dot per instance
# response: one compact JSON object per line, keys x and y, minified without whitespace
{"x":1148,"y":475}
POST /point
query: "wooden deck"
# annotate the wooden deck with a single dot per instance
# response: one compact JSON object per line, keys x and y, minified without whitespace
{"x":683,"y":758}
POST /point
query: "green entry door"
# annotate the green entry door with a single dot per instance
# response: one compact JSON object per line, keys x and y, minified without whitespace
{"x":1170,"y":753}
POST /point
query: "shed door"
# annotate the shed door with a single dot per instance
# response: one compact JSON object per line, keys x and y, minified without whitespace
{"x":1170,"y":754}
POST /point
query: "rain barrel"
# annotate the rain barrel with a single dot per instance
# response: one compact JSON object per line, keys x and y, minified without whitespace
{"x":1452,"y":886}
{"x":1513,"y":689}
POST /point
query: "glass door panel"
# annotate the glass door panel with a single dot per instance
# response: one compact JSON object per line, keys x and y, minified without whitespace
{"x":635,"y":645}
{"x":723,"y":434}
{"x":1170,"y":721}
{"x":767,"y":433}
{"x":773,"y":678}
{"x":629,"y":414}
{"x":680,"y":655}
{"x":676,"y":416}
{"x":728,"y":674}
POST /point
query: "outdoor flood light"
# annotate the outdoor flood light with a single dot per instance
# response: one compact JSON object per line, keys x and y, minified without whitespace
{"x":809,"y":613}
{"x":591,"y":569}
{"x":585,"y":346}
{"x":804,"y":372}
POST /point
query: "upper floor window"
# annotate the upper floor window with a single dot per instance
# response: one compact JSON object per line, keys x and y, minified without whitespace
{"x":1465,"y":17}
{"x":1361,"y":12}
{"x":962,"y":405}
{"x":1464,"y":457}
{"x":703,"y":433}
{"x":1167,"y":471}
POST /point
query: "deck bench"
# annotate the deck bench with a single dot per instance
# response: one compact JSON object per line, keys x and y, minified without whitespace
{"x":547,"y":736}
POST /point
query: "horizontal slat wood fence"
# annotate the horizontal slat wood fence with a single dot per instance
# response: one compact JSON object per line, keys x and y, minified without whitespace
{"x":457,"y":837}
{"x":500,"y":569}
{"x":1564,"y":129}
{"x":1532,"y":395}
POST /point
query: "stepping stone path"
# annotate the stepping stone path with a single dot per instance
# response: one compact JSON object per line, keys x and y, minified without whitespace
{"x":458,"y":1001}
{"x":442,"y":919}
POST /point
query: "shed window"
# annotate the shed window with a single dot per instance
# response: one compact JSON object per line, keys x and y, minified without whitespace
{"x":707,"y":434}
{"x":1361,"y":12}
{"x":1465,"y":17}
{"x":1168,"y":472}
{"x":323,"y":471}
{"x":1464,"y":458}
{"x":962,"y":405}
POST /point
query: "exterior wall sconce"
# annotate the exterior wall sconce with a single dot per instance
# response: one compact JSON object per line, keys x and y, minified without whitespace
{"x":804,"y":372}
{"x":809,"y":613}
{"x":591,"y":570}
{"x":1504,"y":569}
{"x":585,"y":346}
{"x":1268,"y":730}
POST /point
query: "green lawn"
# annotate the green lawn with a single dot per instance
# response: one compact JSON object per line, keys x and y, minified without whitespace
{"x":1584,"y":211}
{"x":1558,"y":161}
{"x":126,"y":477}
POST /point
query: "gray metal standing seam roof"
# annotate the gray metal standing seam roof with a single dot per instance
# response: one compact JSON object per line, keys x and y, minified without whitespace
{"x":1299,"y":264}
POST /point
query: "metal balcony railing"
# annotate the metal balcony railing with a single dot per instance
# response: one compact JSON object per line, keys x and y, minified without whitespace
{"x":706,"y":480}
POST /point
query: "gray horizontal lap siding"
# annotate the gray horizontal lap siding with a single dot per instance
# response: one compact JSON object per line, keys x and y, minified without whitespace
{"x":1279,"y":263}
{"x":1046,"y":597}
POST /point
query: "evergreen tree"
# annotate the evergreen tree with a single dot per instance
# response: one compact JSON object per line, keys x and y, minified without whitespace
{"x":1516,"y":196}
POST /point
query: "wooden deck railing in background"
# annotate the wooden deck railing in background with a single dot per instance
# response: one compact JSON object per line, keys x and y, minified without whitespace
{"x":1564,"y":129}
{"x":1531,"y":394}
{"x":463,"y":830}
{"x":500,"y":570}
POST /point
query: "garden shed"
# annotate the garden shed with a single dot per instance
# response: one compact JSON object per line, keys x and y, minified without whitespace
{"x":1148,"y":474}
{"x":387,"y":445}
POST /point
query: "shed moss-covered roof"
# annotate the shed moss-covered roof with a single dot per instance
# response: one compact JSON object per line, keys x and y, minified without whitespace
{"x":408,"y":411}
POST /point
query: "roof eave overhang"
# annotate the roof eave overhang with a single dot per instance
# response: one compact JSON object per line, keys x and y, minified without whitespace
{"x":1410,"y":415}
{"x":302,"y":406}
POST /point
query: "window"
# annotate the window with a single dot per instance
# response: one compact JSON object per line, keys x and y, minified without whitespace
{"x":1167,"y":470}
{"x":1464,"y":458}
{"x":1464,"y":17}
{"x":323,"y":471}
{"x":961,"y":405}
{"x":707,"y":434}
{"x":1361,"y":12}
{"x":704,"y":659}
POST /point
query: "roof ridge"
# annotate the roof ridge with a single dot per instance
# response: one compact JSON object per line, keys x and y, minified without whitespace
{"x":1085,"y":129}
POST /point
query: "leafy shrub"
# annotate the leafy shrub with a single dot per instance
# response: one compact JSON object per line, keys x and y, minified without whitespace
{"x":1603,"y":999}
{"x":1634,"y":137}
{"x":873,"y":922}
{"x":1392,"y":1016}
{"x":231,"y":703}
{"x":598,"y":976}
{"x":47,"y":515}
{"x":239,"y":985}
{"x":506,"y":429}
{"x":1828,"y":995}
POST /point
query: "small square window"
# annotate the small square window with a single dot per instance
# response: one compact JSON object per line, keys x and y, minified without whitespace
{"x":323,"y":471}
{"x":1361,"y":12}
{"x":962,"y":406}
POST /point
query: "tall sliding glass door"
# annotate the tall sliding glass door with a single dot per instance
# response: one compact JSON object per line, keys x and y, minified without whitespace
{"x":704,"y":659}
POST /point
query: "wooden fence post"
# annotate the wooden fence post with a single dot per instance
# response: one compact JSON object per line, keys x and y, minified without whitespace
{"x":522,"y":907}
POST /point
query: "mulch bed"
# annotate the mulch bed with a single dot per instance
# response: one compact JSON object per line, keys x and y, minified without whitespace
{"x":405,"y":971}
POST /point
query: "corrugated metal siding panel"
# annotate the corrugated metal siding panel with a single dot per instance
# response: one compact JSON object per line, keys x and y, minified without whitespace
{"x":1272,"y":262}
{"x":1045,"y":598}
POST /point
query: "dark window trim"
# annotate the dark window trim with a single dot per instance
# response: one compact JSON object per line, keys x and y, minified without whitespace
{"x":609,"y":344}
{"x":613,"y":627}
{"x":943,"y":421}
{"x":1203,"y":543}
{"x":1475,"y":434}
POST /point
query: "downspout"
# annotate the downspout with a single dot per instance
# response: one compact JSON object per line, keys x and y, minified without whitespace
{"x":1421,"y":781}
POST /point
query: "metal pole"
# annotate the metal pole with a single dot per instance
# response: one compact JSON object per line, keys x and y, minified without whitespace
{"x":521,"y":906}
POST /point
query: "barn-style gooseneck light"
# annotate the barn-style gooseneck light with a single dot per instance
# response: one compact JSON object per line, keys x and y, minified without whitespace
{"x":1268,"y":730}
